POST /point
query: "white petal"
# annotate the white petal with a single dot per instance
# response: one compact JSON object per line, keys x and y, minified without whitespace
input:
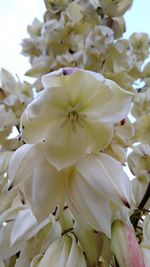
{"x":54,"y":79}
{"x":32,"y":130}
{"x":7,"y":199}
{"x":57,"y":253}
{"x":10,"y":214}
{"x":87,"y":205}
{"x":36,"y":260}
{"x":8,"y":82}
{"x":76,"y":258}
{"x":45,"y":190}
{"x":23,"y":259}
{"x":65,"y":147}
{"x":23,"y":162}
{"x":6,"y":250}
{"x":114,"y":103}
{"x":98,"y":97}
{"x":100,"y":135}
{"x":91,"y":243}
{"x":24,"y":223}
{"x":4,"y":160}
{"x":106,"y":176}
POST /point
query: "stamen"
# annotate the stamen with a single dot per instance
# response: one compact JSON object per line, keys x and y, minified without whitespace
{"x":74,"y":117}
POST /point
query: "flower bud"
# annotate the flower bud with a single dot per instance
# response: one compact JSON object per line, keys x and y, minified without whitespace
{"x":63,"y":252}
{"x":125,"y":246}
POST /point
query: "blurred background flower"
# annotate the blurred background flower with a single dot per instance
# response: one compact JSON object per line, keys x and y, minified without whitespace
{"x":16,"y":15}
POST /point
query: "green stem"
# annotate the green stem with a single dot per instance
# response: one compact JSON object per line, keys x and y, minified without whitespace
{"x":137,"y":214}
{"x":145,"y":198}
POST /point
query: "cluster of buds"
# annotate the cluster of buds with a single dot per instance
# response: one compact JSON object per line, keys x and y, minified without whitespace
{"x":85,"y":34}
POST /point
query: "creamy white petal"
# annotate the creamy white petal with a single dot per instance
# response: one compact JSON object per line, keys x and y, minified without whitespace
{"x":35,"y":262}
{"x":106,"y":176}
{"x":32,"y":130}
{"x":87,"y":205}
{"x":57,"y":253}
{"x":115,"y":9}
{"x":45,"y":190}
{"x":9,"y":84}
{"x":48,"y":104}
{"x":10,"y":214}
{"x":65,"y":147}
{"x":125,"y":245}
{"x":54,"y":232}
{"x":4,"y":160}
{"x":6,"y":250}
{"x":76,"y":257}
{"x":100,"y":135}
{"x":23,"y":259}
{"x":55,"y":78}
{"x":91,"y":242}
{"x":24,"y":223}
{"x":7,"y":199}
{"x":97,"y":96}
{"x":115,"y":103}
{"x":23,"y":162}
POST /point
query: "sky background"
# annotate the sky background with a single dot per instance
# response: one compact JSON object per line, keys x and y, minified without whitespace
{"x":15,"y":15}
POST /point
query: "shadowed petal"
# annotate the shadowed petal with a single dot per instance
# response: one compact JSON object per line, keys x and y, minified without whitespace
{"x":45,"y":190}
{"x":87,"y":205}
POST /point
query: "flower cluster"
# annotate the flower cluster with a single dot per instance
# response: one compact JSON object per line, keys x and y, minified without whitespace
{"x":65,"y":139}
{"x":85,"y":34}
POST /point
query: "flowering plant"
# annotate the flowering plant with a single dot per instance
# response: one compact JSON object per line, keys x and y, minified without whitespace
{"x":66,"y":198}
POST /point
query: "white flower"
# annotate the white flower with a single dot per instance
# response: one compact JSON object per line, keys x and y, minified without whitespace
{"x":63,"y":252}
{"x":125,"y":245}
{"x":74,"y":114}
{"x":142,"y":129}
{"x":99,"y":176}
{"x":139,"y":160}
{"x":96,"y":181}
{"x":91,"y":242}
{"x":115,"y":8}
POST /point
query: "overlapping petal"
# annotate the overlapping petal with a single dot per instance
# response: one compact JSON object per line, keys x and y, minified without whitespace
{"x":64,"y":252}
{"x":101,"y":179}
{"x":125,"y":246}
{"x":106,"y":176}
{"x":23,"y":162}
{"x":45,"y":189}
{"x":72,"y":115}
{"x":87,"y":205}
{"x":65,"y":147}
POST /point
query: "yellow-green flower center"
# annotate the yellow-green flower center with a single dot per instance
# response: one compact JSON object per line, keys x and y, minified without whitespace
{"x":74,"y":117}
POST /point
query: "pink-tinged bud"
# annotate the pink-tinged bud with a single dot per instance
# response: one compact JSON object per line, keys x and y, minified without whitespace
{"x":125,"y":246}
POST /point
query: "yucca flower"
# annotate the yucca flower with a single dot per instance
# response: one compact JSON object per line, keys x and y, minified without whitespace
{"x":98,"y":176}
{"x":63,"y":252}
{"x":125,"y":246}
{"x":74,"y":115}
{"x":115,"y":8}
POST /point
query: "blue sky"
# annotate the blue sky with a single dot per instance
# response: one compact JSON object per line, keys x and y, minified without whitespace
{"x":17,"y":14}
{"x":138,"y":18}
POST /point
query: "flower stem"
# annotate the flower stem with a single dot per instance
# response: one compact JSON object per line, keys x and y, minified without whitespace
{"x":137,"y":214}
{"x":145,"y":198}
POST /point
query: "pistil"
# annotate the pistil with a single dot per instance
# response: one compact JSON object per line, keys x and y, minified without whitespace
{"x":74,"y":116}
